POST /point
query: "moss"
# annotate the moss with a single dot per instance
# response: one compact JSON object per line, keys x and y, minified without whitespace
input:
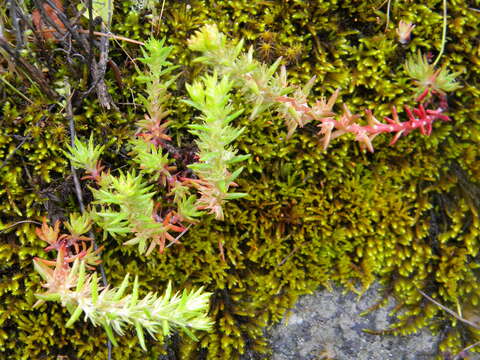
{"x":407,"y":215}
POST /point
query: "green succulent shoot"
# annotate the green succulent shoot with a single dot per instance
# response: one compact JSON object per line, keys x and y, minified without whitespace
{"x":115,"y":309}
{"x":78,"y":224}
{"x":186,"y":203}
{"x":427,"y":78}
{"x":209,"y":38}
{"x":125,"y":205}
{"x":86,"y":156}
{"x":151,"y":159}
{"x":215,"y":135}
{"x":155,"y":56}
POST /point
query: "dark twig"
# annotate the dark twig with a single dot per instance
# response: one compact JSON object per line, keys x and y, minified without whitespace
{"x":96,"y":69}
{"x":78,"y":191}
{"x":90,"y":33}
{"x":104,"y":46}
{"x":102,"y":63}
{"x":14,"y":13}
{"x":451,"y":312}
{"x":21,"y":222}
{"x":76,"y":181}
{"x":103,"y":59}
{"x":35,"y":74}
{"x":14,"y":151}
{"x":103,"y":95}
{"x":464,"y":351}
{"x":295,"y":249}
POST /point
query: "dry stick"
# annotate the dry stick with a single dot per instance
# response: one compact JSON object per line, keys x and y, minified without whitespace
{"x":103,"y":96}
{"x":295,"y":249}
{"x":179,"y":236}
{"x":21,"y":222}
{"x":16,"y":24}
{"x":115,"y":37}
{"x":99,"y":33}
{"x":29,"y":69}
{"x":102,"y":62}
{"x":451,"y":312}
{"x":14,"y":151}
{"x":90,"y":33}
{"x":466,"y":349}
{"x":78,"y":192}
{"x":102,"y":68}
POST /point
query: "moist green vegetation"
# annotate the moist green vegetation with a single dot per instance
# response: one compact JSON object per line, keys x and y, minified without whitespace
{"x":407,"y":215}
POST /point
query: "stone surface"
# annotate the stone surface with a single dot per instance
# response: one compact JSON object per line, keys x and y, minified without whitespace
{"x":328,"y":325}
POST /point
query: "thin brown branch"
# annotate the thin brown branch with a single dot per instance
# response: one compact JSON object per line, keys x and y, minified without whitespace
{"x":464,"y":351}
{"x":13,"y":152}
{"x":116,"y":37}
{"x":21,"y":222}
{"x":35,"y":74}
{"x":99,"y":33}
{"x":451,"y":312}
{"x":78,"y":192}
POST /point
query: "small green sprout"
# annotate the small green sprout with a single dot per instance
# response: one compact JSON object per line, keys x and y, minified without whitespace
{"x":215,"y":135}
{"x":151,"y":159}
{"x":78,"y":224}
{"x":115,"y":309}
{"x":86,"y":156}
{"x":427,"y":78}
{"x":209,"y":38}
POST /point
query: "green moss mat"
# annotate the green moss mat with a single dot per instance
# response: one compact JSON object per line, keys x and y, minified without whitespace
{"x":407,"y":215}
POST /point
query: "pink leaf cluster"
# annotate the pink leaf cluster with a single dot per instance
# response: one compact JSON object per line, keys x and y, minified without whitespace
{"x":332,"y":126}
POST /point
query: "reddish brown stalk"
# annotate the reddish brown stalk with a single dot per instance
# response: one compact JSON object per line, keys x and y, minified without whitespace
{"x":332,"y":127}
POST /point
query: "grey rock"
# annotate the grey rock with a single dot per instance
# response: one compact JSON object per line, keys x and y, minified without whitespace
{"x":328,"y":325}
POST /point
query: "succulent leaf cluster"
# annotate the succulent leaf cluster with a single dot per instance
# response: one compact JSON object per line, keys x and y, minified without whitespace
{"x":215,"y":135}
{"x":427,"y":78}
{"x":85,"y":155}
{"x":258,"y":82}
{"x":133,"y":198}
{"x":115,"y":309}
